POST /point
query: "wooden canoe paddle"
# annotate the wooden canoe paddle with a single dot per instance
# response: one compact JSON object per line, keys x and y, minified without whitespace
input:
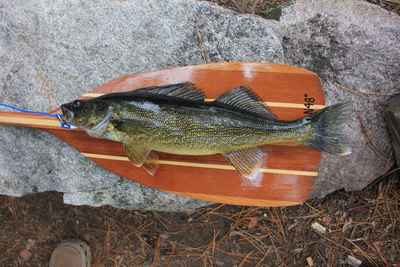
{"x":288,"y":173}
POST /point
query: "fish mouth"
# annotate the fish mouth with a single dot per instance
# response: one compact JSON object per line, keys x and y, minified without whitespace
{"x":68,"y":114}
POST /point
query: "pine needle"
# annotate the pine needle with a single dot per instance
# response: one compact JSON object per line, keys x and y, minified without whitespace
{"x":202,"y":47}
{"x":3,"y":93}
{"x":360,"y":93}
{"x":47,"y":85}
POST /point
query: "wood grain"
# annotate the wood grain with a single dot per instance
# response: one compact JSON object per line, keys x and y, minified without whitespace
{"x":286,"y":177}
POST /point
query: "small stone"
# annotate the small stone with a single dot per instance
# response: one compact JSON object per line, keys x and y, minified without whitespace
{"x":318,"y":228}
{"x":354,"y":262}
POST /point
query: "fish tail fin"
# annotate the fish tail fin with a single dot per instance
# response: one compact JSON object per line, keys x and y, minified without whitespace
{"x":325,"y":128}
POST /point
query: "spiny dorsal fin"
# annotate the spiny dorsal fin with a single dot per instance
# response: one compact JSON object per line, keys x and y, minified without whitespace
{"x":184,"y":90}
{"x":245,"y":99}
{"x":247,"y":161}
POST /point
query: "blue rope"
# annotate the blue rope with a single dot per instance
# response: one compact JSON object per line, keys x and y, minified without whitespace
{"x":63,"y":124}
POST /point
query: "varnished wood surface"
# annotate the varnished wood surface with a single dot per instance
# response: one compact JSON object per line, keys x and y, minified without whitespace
{"x":287,"y":175}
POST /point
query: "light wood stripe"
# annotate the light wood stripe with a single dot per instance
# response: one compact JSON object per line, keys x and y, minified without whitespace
{"x":242,"y":201}
{"x":202,"y":165}
{"x":270,"y":104}
{"x":22,"y":121}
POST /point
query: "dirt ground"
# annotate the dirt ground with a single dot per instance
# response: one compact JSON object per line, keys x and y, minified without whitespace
{"x":363,"y":225}
{"x":260,"y":7}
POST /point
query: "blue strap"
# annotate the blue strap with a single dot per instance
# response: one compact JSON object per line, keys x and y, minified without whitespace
{"x":63,"y":124}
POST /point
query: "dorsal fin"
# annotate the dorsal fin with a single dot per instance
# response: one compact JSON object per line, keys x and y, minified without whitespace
{"x":245,"y":99}
{"x":184,"y":90}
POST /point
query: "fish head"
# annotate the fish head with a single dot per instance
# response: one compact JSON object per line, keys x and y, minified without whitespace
{"x":85,"y":114}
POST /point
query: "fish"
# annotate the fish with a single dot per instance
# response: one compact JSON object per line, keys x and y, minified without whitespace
{"x":176,"y":119}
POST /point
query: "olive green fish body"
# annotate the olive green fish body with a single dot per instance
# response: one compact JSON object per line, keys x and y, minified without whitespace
{"x":187,"y":127}
{"x":177,"y":122}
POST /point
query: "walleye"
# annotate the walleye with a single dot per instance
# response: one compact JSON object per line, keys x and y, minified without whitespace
{"x":176,"y":119}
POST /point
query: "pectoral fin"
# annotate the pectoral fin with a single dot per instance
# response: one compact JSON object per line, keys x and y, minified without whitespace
{"x":247,"y":161}
{"x":151,"y":163}
{"x":137,"y":153}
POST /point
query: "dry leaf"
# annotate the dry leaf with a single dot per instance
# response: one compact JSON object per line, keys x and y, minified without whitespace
{"x":326,"y":220}
{"x":252,"y":224}
{"x":25,"y":255}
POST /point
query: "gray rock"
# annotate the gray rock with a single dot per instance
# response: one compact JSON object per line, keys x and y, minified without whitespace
{"x":356,"y":45}
{"x":392,"y":116}
{"x":79,"y":45}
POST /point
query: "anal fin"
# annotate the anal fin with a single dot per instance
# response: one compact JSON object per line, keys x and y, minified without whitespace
{"x":247,"y":161}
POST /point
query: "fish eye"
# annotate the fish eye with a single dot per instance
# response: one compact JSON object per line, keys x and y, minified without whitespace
{"x":76,"y":104}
